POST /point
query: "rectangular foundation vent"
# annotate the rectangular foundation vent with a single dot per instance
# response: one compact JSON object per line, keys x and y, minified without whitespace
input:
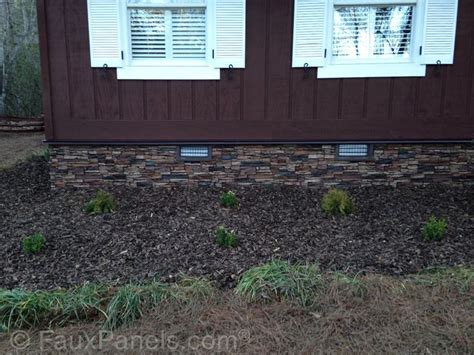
{"x":194,"y":153}
{"x":353,"y":150}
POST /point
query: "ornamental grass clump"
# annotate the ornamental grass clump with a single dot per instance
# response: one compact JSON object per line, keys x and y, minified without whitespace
{"x":280,"y":280}
{"x":103,"y":202}
{"x":228,"y":199}
{"x":21,"y":309}
{"x":338,"y":202}
{"x":435,"y":229}
{"x":131,"y":302}
{"x":226,"y":238}
{"x":33,"y":244}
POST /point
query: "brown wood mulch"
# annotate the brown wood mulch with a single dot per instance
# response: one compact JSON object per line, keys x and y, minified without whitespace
{"x":164,"y":233}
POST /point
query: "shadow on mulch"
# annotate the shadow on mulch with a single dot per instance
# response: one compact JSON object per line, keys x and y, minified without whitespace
{"x":162,"y":233}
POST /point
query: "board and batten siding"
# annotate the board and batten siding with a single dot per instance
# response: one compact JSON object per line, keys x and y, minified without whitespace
{"x":268,"y":101}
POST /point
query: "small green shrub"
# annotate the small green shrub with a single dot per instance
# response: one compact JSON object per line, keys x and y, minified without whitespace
{"x":103,"y":202}
{"x":226,"y":238}
{"x":299,"y":283}
{"x":229,"y":199}
{"x":33,"y":244}
{"x":435,"y":229}
{"x":338,"y":202}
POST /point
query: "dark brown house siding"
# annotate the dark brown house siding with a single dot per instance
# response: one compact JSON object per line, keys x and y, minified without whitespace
{"x":266,"y":102}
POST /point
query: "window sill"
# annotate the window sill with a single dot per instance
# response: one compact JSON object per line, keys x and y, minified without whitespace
{"x":371,"y":71}
{"x":168,"y":73}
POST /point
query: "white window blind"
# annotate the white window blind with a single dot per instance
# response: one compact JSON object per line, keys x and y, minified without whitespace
{"x":168,"y":33}
{"x":372,"y":32}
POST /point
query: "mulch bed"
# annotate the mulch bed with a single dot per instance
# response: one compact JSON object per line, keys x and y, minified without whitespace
{"x":165,"y":233}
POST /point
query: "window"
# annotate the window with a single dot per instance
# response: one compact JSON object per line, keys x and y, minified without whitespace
{"x":373,"y":38}
{"x":372,"y":33}
{"x":167,"y":39}
{"x":174,"y":34}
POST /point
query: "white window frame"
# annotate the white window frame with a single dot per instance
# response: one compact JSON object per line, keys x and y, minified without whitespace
{"x":163,"y":69}
{"x":364,"y":68}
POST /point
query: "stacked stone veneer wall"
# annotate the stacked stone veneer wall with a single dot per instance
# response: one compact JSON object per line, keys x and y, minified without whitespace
{"x":303,"y":165}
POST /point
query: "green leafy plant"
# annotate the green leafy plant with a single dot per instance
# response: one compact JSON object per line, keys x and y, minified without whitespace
{"x":33,"y":244}
{"x":435,"y":229}
{"x":228,"y":199}
{"x":298,"y":283}
{"x":103,"y":202}
{"x":338,"y":202}
{"x":226,"y":238}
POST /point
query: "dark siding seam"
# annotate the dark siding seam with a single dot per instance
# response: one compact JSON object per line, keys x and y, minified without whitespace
{"x":315,"y":94}
{"x":193,"y":101}
{"x":168,"y":101}
{"x":390,"y":99}
{"x":339,"y":99}
{"x":242,"y":94}
{"x":120,"y":99}
{"x":442,"y":101}
{"x":417,"y":99}
{"x":365,"y":98}
{"x":145,"y":100}
{"x":68,"y":60}
{"x":267,"y":48}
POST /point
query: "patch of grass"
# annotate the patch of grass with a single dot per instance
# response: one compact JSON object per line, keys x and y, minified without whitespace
{"x":351,"y":285}
{"x":226,"y":238}
{"x":191,"y":289}
{"x":40,"y":155}
{"x":131,"y":301}
{"x":22,"y":309}
{"x":338,"y":202}
{"x":228,"y":199}
{"x":435,"y":229}
{"x":103,"y":202}
{"x":299,"y":283}
{"x":461,"y":277}
{"x":33,"y":244}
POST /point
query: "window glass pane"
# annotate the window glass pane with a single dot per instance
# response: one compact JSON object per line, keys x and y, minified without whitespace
{"x":168,"y":34}
{"x":166,"y":2}
{"x":148,"y":33}
{"x":372,"y":31}
{"x":189,"y":33}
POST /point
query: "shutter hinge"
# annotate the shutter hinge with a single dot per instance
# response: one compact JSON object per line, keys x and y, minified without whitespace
{"x":421,"y":50}
{"x":213,"y":54}
{"x":122,"y":54}
{"x":325,"y":53}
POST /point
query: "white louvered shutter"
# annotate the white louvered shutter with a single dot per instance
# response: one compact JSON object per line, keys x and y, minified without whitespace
{"x":440,"y":31}
{"x":104,"y":33}
{"x":230,"y":33}
{"x":310,"y":26}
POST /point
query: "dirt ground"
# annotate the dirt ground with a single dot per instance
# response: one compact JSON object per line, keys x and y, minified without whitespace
{"x":15,"y":147}
{"x":165,"y":233}
{"x":392,"y":316}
